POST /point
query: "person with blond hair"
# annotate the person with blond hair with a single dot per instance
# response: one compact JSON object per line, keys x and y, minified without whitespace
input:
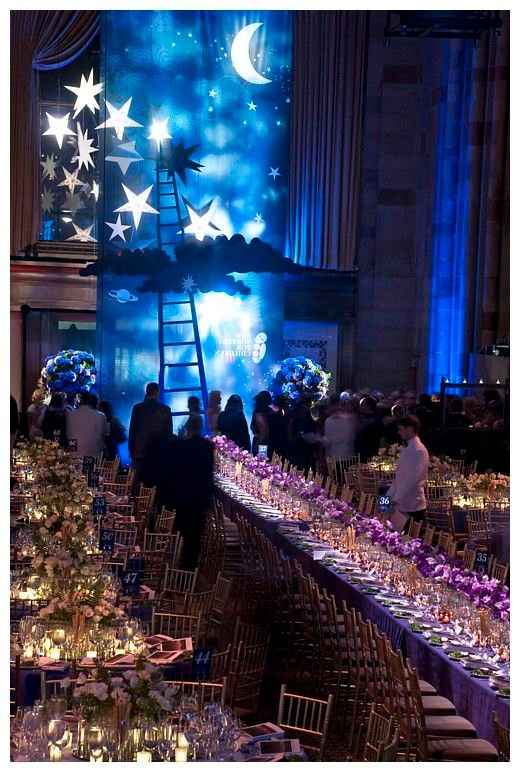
{"x":35,"y":414}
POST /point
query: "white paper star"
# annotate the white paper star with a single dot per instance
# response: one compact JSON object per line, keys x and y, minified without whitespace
{"x":86,"y":94}
{"x":49,"y":167}
{"x":58,"y":127}
{"x":95,"y":190}
{"x":274,"y":173}
{"x":119,"y":119}
{"x":82,"y":234}
{"x":70,"y":180}
{"x":118,"y":229}
{"x":47,"y":200}
{"x":72,"y":203}
{"x":159,"y":131}
{"x":136,"y":204}
{"x":120,"y":157}
{"x":212,"y":93}
{"x":188,"y":283}
{"x":200,"y":226}
{"x":258,"y":217}
{"x":251,"y":105}
{"x":84,"y":149}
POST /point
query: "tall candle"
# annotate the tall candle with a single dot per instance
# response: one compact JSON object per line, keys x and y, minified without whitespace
{"x":181,"y":754}
{"x":143,"y":757}
{"x":182,"y":742}
{"x":54,"y":753}
{"x":54,"y":653}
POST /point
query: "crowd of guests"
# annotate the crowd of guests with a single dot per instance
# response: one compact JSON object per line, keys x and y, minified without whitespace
{"x":180,"y":465}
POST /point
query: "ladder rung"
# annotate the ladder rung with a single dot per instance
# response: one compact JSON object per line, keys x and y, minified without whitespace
{"x":176,"y":303}
{"x":183,"y":343}
{"x":186,"y":412}
{"x":163,"y":208}
{"x":180,"y":364}
{"x":179,"y":388}
{"x":182,"y":321}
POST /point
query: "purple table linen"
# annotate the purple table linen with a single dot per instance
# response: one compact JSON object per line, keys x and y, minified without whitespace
{"x":473,"y":697}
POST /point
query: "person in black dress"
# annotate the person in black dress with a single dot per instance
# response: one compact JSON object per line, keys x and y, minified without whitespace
{"x":232,"y":423}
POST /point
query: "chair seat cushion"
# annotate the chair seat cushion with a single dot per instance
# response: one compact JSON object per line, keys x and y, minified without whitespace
{"x":437,"y":706}
{"x":461,"y":749}
{"x":427,"y":689}
{"x":449,"y":726}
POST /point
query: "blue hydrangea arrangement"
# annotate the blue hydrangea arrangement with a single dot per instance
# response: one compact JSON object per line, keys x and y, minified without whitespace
{"x":300,"y":377}
{"x":69,"y":371}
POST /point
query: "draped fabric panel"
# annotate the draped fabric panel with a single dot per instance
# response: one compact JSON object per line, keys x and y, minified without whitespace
{"x":328,"y":89}
{"x":489,"y":143}
{"x":40,"y":40}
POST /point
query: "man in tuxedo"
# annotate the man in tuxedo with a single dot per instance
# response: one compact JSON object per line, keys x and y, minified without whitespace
{"x":192,"y":488}
{"x":150,"y":424}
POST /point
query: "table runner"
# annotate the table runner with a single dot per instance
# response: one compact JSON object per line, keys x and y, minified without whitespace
{"x":473,"y":698}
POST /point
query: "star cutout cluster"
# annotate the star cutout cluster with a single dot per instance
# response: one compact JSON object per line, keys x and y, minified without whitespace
{"x":185,"y":81}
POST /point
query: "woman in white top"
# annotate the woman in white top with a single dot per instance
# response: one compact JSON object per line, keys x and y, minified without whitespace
{"x":340,"y":429}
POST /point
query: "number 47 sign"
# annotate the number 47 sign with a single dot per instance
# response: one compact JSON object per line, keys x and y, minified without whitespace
{"x":131,"y":581}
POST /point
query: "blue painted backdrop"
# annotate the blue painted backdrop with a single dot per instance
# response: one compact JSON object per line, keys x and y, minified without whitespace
{"x":176,"y":66}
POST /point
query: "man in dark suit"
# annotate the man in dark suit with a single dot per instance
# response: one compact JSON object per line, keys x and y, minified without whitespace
{"x":150,"y":425}
{"x":191,"y":488}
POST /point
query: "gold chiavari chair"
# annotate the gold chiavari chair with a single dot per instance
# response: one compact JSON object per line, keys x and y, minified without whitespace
{"x":165,"y":521}
{"x":468,"y":557}
{"x":499,"y":516}
{"x":144,"y":502}
{"x":347,"y":494}
{"x":414,"y":528}
{"x":342,"y":467}
{"x":124,"y":538}
{"x":179,"y":581}
{"x":221,"y":603}
{"x":247,"y":634}
{"x":429,"y":535}
{"x":502,"y":735}
{"x":479,"y":526}
{"x":435,"y":491}
{"x":380,"y":733}
{"x":175,"y":625}
{"x":390,"y":751}
{"x":204,"y":692}
{"x":498,"y":570}
{"x":447,"y":543}
{"x":367,"y":504}
{"x":246,"y":676}
{"x":308,"y":717}
{"x":442,"y":738}
{"x":438,"y":514}
{"x":55,"y":687}
{"x":107,"y":470}
{"x":220,"y":665}
{"x":14,"y":690}
{"x":368,"y":480}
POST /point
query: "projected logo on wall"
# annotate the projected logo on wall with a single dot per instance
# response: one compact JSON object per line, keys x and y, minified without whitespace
{"x":194,"y":135}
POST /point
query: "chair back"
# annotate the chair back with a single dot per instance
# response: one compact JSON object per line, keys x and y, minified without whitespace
{"x":307,"y":716}
{"x":204,"y":692}
{"x":414,"y":528}
{"x":179,"y":581}
{"x":468,"y":557}
{"x":379,"y":734}
{"x":175,"y":625}
{"x":438,"y":514}
{"x":502,"y":735}
{"x":165,"y":521}
{"x":429,"y":535}
{"x":220,"y":664}
{"x":499,"y":571}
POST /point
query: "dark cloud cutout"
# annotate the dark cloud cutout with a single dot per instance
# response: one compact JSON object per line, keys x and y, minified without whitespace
{"x":209,"y":262}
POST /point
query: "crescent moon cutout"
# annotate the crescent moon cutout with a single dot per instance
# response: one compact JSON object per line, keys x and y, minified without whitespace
{"x":240,"y":55}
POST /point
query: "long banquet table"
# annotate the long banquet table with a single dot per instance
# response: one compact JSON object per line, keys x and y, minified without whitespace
{"x":473,"y":697}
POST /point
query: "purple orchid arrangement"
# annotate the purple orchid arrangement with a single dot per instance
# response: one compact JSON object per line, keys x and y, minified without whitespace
{"x":482,"y":591}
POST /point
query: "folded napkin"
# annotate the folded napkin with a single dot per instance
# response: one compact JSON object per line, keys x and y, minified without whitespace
{"x":123,"y":660}
{"x":166,"y":644}
{"x":87,"y":662}
{"x":50,"y":664}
